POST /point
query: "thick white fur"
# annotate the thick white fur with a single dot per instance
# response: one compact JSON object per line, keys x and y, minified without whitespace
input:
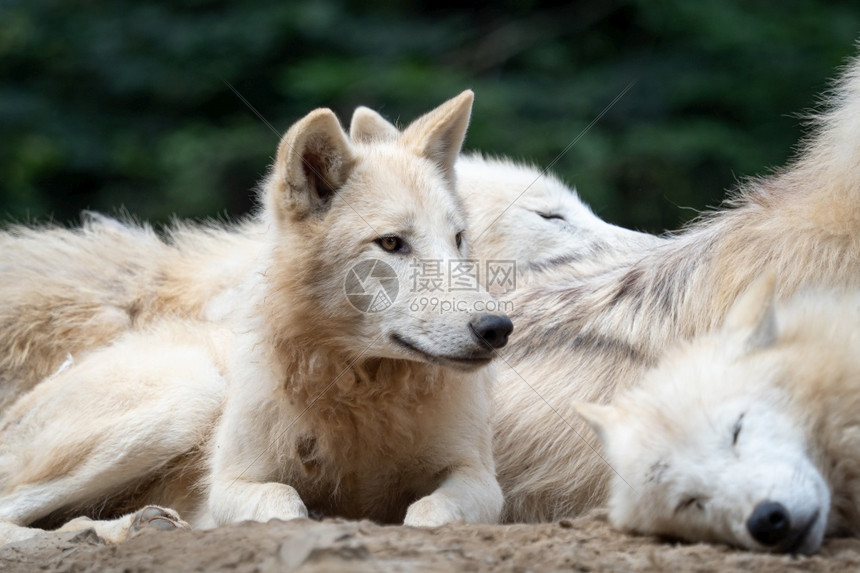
{"x":765,"y":409}
{"x":221,"y":371}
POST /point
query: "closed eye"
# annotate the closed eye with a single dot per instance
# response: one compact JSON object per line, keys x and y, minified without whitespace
{"x":689,"y":501}
{"x":736,"y":430}
{"x":552,"y":216}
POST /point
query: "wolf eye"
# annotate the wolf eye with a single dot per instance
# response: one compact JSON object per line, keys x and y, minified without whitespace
{"x":459,"y":239}
{"x":391,"y":243}
{"x":552,"y":216}
{"x":736,"y":430}
{"x":691,"y":501}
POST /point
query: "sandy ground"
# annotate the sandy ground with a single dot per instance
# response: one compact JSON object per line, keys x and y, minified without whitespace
{"x":586,"y":544}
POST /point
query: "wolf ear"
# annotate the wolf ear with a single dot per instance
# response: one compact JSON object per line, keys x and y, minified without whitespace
{"x":314,"y":160}
{"x":439,"y":134}
{"x":754,"y":311}
{"x":367,"y":125}
{"x":600,"y":418}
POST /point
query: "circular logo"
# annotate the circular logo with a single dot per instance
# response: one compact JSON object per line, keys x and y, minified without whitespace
{"x":371,"y":286}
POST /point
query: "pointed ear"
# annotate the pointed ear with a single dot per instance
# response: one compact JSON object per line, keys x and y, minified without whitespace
{"x":754,"y":311}
{"x":367,"y":125}
{"x":439,"y":135}
{"x":600,"y":418}
{"x":314,"y":160}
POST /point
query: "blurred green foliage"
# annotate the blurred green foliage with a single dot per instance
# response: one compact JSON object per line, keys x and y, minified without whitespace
{"x":126,"y":103}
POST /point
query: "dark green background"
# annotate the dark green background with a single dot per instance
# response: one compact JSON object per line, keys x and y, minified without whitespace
{"x":110,"y":104}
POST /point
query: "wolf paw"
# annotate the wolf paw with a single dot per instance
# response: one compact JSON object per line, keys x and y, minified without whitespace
{"x":154,"y":517}
{"x":432,"y":511}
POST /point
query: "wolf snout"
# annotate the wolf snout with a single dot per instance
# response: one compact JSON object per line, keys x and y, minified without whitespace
{"x":773,"y":525}
{"x":491,"y":330}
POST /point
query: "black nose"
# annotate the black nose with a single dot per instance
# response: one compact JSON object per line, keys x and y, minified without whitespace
{"x":492,"y":330}
{"x":770,"y":523}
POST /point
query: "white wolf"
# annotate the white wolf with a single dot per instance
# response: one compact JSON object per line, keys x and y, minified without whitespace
{"x":748,"y":435}
{"x":224,"y":373}
{"x":596,"y":306}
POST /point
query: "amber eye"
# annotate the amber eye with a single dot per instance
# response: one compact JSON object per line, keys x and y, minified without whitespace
{"x":390,"y":243}
{"x":459,"y":239}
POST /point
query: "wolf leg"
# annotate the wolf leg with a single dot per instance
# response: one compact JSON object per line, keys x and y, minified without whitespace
{"x":116,"y":530}
{"x":104,"y":424}
{"x":111,"y":530}
{"x":245,"y":468}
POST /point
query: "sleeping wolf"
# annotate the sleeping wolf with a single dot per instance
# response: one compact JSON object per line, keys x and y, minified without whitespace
{"x":587,"y":330}
{"x":747,"y":435}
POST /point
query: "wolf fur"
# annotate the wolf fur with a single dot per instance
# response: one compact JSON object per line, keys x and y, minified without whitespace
{"x":220,"y":370}
{"x":596,"y":305}
{"x":584,"y":333}
{"x":747,"y":435}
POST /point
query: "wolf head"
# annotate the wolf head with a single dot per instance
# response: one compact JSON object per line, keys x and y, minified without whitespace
{"x":519,"y":212}
{"x":529,"y":215}
{"x":370,"y":242}
{"x":711,"y":446}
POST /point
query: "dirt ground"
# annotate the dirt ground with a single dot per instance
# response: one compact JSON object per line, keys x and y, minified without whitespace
{"x":585,"y":544}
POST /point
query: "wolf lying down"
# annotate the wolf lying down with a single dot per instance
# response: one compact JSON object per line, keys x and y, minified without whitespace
{"x":748,"y":436}
{"x":224,"y":372}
